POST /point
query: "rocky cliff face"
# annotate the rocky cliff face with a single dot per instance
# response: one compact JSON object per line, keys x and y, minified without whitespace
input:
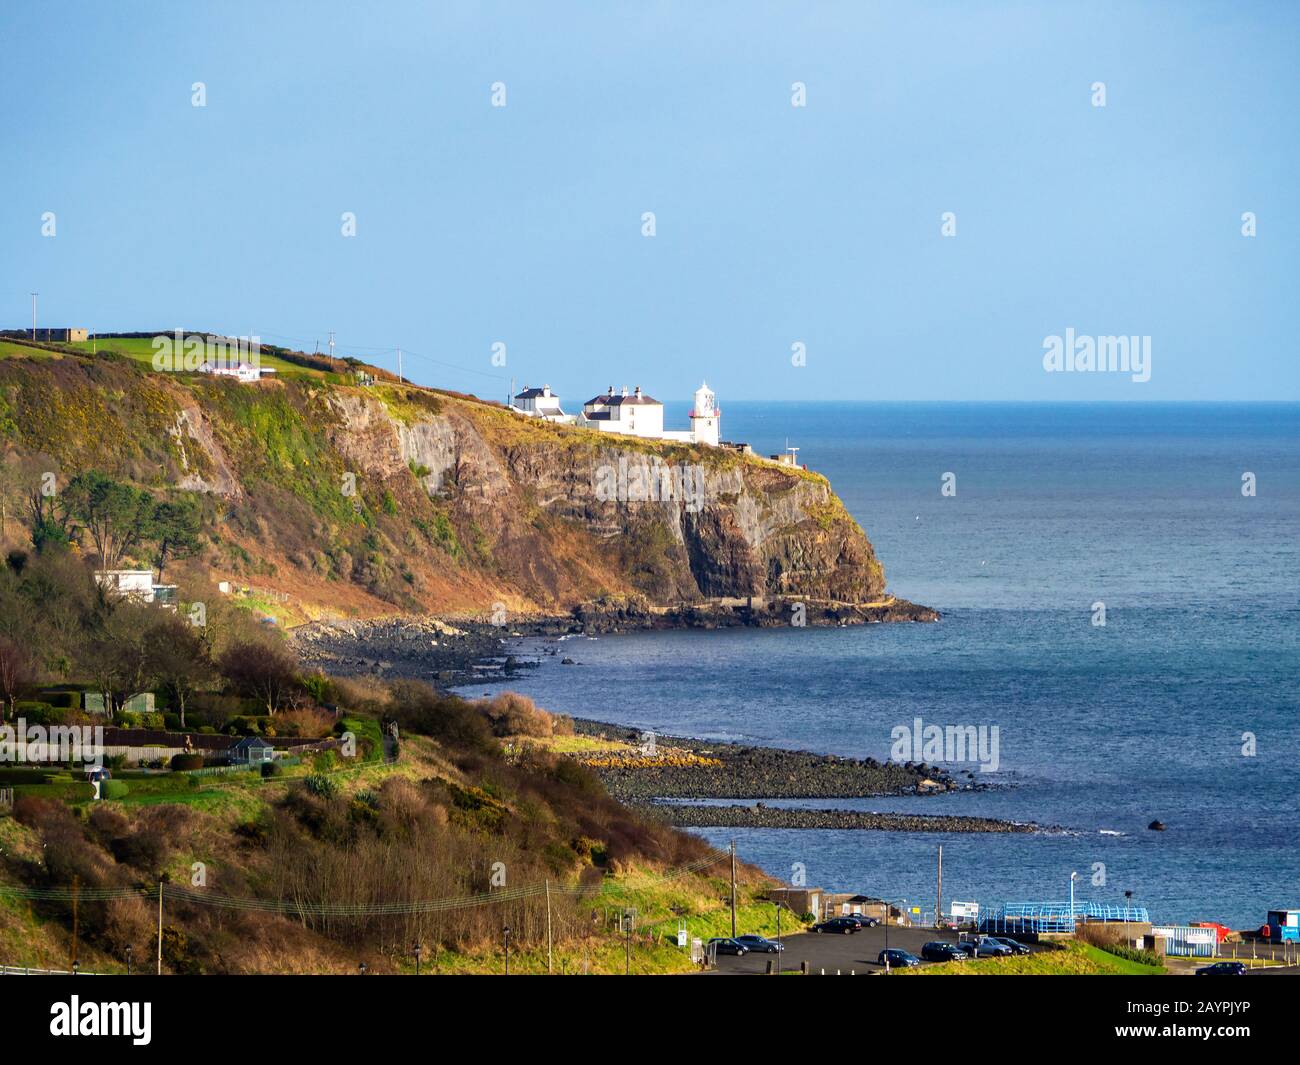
{"x":672,"y":523}
{"x":456,"y":505}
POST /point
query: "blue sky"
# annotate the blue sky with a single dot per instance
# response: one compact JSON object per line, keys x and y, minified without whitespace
{"x":775,"y":224}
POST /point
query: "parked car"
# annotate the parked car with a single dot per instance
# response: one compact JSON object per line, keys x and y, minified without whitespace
{"x":988,"y":947}
{"x":1010,"y":944}
{"x":898,"y":959}
{"x":938,"y":950}
{"x":845,"y":925}
{"x":728,"y":946}
{"x":760,"y":945}
{"x":864,"y":920}
{"x":1223,"y":968}
{"x":968,"y":947}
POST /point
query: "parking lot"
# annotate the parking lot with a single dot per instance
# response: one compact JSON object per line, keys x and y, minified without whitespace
{"x":836,"y":952}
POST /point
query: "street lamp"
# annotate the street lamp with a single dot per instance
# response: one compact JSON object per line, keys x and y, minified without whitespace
{"x":128,"y":960}
{"x":361,"y":969}
{"x":76,"y":968}
{"x":505,"y":936}
{"x":417,"y":959}
{"x":1073,"y":878}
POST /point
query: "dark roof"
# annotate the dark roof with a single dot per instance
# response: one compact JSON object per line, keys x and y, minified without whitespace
{"x":534,"y":393}
{"x":596,"y":415}
{"x":618,"y":400}
{"x":246,"y":742}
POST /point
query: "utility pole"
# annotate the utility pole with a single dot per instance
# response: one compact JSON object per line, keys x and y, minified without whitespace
{"x":160,"y":928}
{"x":34,"y":295}
{"x":733,"y":889}
{"x":399,"y":365}
{"x":938,"y":904}
{"x":331,"y":349}
{"x":627,"y":942}
{"x":76,"y":889}
{"x":549,"y":970}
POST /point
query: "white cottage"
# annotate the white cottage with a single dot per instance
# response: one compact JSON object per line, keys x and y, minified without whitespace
{"x":631,"y":414}
{"x":540,"y":403}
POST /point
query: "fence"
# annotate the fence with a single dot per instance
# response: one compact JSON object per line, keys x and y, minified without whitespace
{"x":1037,"y":917}
{"x":23,"y":970}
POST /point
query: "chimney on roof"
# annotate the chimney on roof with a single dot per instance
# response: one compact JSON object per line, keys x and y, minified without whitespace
{"x":638,"y":391}
{"x":625,"y":390}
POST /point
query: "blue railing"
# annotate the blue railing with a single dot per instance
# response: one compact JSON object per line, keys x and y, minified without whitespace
{"x":1056,"y":916}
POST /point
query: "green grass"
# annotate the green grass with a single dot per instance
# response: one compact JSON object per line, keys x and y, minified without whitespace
{"x":141,"y":349}
{"x":1074,"y":959}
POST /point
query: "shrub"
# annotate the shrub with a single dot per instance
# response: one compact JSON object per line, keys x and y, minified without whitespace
{"x":114,"y":789}
{"x":322,"y":786}
{"x":182,"y":763}
{"x":271,"y":769}
{"x":512,"y":714}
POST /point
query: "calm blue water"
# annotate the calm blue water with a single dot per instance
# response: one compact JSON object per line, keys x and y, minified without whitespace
{"x":1057,"y":507}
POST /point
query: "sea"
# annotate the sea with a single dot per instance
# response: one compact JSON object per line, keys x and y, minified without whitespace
{"x":1120,"y":591}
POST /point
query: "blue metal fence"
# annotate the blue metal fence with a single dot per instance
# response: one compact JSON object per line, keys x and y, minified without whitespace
{"x":1056,"y":916}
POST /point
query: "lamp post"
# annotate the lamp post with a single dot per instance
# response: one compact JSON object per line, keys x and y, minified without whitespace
{"x":361,"y":969}
{"x":1073,"y":878}
{"x":417,"y":959}
{"x":128,"y":959}
{"x":505,"y":936}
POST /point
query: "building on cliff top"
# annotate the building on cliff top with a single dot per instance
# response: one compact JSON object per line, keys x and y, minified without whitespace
{"x":539,"y":403}
{"x":628,"y":414}
{"x":637,"y":414}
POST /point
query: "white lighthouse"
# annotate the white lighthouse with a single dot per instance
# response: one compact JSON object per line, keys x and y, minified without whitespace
{"x":705,"y":416}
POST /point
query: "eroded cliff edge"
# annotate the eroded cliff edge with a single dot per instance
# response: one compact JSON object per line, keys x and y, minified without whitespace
{"x":387,"y":499}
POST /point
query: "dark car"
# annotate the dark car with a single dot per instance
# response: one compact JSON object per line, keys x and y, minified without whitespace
{"x":759,"y":945}
{"x":968,"y":947}
{"x":1010,"y":944}
{"x":938,"y":950}
{"x":863,"y":920}
{"x":898,"y":959}
{"x":845,"y":925}
{"x":1223,"y":968}
{"x":728,"y":946}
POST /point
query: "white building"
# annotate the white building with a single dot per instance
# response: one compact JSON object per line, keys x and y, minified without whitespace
{"x":540,"y":403}
{"x":136,"y":584}
{"x":242,"y":372}
{"x":632,"y":414}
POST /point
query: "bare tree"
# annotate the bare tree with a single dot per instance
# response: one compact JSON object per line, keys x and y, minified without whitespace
{"x":17,"y":672}
{"x":261,"y":670}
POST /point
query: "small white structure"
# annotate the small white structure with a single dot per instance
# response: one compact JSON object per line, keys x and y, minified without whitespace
{"x":540,"y":403}
{"x":136,"y":584}
{"x":128,"y":583}
{"x":243,"y":372}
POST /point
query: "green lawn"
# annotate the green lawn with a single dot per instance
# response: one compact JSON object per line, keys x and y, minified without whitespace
{"x":141,"y":349}
{"x":1074,"y":959}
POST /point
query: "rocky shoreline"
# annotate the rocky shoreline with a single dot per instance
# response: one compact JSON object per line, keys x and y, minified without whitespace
{"x":453,"y":651}
{"x":448,"y":653}
{"x":688,"y":815}
{"x":684,"y":768}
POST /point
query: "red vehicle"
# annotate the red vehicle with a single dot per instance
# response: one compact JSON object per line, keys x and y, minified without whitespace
{"x":1222,"y":931}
